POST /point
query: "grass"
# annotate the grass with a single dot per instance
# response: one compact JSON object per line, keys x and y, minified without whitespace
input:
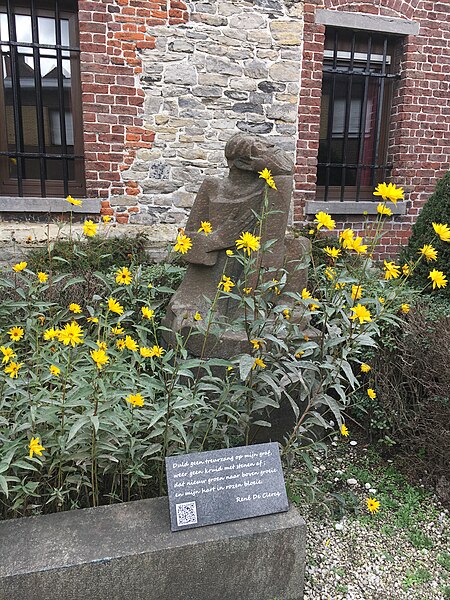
{"x":416,"y":577}
{"x":444,"y":560}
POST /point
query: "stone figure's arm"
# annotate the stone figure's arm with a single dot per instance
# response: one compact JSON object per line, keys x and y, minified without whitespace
{"x":236,"y":221}
{"x":200,"y":208}
{"x":200,"y":252}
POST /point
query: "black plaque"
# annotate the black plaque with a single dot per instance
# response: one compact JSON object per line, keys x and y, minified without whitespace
{"x":225,"y":485}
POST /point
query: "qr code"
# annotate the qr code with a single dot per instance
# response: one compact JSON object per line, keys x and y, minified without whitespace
{"x":186,"y":513}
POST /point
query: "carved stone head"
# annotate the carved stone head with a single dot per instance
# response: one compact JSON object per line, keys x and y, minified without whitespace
{"x":254,"y":153}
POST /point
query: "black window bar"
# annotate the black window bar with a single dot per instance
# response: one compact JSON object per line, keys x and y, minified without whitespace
{"x":41,"y":150}
{"x":358,"y":75}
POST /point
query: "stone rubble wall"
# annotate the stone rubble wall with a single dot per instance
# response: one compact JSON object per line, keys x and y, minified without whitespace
{"x":233,"y":66}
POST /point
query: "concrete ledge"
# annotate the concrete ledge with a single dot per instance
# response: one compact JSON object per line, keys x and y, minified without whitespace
{"x":355,"y":20}
{"x":350,"y":207}
{"x":128,"y":551}
{"x":48,"y":205}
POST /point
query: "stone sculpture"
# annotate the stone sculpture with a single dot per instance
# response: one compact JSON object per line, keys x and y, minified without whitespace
{"x":231,"y":204}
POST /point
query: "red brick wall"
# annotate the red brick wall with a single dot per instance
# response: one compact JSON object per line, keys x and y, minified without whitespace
{"x":112,"y":36}
{"x":420,"y":138}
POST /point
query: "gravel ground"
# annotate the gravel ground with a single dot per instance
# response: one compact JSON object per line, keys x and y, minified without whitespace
{"x":400,"y":553}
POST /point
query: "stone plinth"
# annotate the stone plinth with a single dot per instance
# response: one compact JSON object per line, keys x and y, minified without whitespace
{"x":128,"y":551}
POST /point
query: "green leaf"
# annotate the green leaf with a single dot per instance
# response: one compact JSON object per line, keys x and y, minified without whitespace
{"x":77,"y":426}
{"x":4,"y":485}
{"x":246,"y":363}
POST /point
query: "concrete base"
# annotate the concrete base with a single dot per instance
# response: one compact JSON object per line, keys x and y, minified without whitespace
{"x":127,"y":551}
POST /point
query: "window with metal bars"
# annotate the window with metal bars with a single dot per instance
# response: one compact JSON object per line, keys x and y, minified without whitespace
{"x":359,"y":73}
{"x":41,"y":146}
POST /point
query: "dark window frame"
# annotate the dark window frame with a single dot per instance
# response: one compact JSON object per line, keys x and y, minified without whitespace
{"x":347,"y":64}
{"x":43,"y":187}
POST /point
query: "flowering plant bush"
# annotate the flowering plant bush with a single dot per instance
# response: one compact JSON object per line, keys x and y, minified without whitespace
{"x":92,"y":401}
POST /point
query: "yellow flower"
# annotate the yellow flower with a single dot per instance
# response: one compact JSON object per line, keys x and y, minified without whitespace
{"x":71,"y":334}
{"x":311,"y":231}
{"x":158,"y":351}
{"x":226,"y":284}
{"x":42,"y":277}
{"x":287,"y":314}
{"x":130,"y":343}
{"x":259,"y":363}
{"x":71,"y":200}
{"x":406,"y":270}
{"x":54,"y":370}
{"x":89,"y":228}
{"x":392,"y":270}
{"x":332,"y":252}
{"x":256,"y":344}
{"x":146,"y":352}
{"x":16,"y":333}
{"x":75,"y":308}
{"x":373,"y":506}
{"x":8,"y":354}
{"x":266,"y":174}
{"x":206,"y":227}
{"x":438,"y":278}
{"x":120,"y":344}
{"x":19,"y":267}
{"x":365,"y":368}
{"x":276,"y":289}
{"x":389,"y":192}
{"x":50,"y":334}
{"x":356,"y":292}
{"x":197,"y":316}
{"x":35,"y":447}
{"x":101,"y":345}
{"x":313,"y":307}
{"x":443,"y":231}
{"x":115,"y":307}
{"x":324,"y":220}
{"x":247,"y":290}
{"x":118,"y":330}
{"x":357,"y":245}
{"x":106,"y":218}
{"x":382,"y":209}
{"x":344,"y":430}
{"x":330,"y":273}
{"x":405,"y":308}
{"x":299,"y":354}
{"x":123,"y":276}
{"x":229,"y":253}
{"x":429,"y":252}
{"x":361,"y":313}
{"x":248,"y":242}
{"x":306,"y":295}
{"x":99,"y":357}
{"x":371,"y":393}
{"x":381,"y":300}
{"x":183,"y":244}
{"x":92,"y":320}
{"x":147,"y":313}
{"x":13,"y":369}
{"x":135,"y":400}
{"x":346,"y":238}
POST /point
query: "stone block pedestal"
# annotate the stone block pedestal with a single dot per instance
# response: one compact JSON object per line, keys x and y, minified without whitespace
{"x":127,"y":551}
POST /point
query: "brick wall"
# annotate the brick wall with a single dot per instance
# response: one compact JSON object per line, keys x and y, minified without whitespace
{"x":420,"y":134}
{"x":113,"y":36}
